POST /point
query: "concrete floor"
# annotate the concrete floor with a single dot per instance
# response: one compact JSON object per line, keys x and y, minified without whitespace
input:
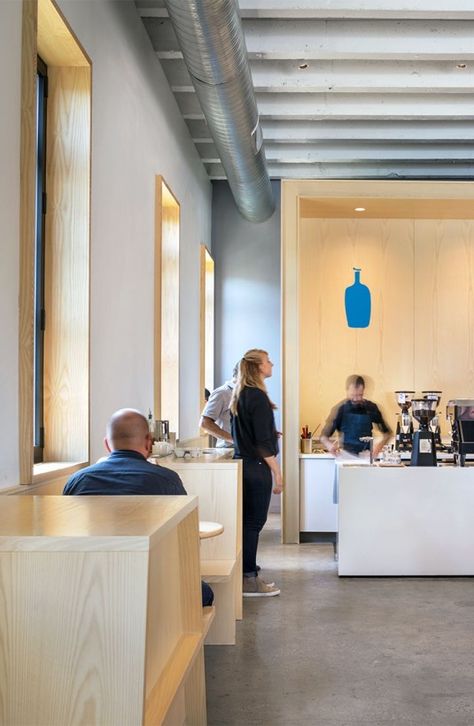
{"x":345,"y":652}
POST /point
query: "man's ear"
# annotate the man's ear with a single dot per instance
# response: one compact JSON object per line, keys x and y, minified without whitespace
{"x":107,"y":445}
{"x":150,"y":439}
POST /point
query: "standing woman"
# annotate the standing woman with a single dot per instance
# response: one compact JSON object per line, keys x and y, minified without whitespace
{"x":256,"y":443}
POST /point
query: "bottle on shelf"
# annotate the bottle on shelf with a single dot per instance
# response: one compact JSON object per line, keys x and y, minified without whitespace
{"x":151,"y":423}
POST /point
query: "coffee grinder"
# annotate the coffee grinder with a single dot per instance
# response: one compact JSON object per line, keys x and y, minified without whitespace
{"x":404,"y":434}
{"x":424,"y":446}
{"x":460,"y":414}
{"x":434,"y":423}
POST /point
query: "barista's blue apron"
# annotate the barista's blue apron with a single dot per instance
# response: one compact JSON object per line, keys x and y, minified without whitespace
{"x":354,"y":425}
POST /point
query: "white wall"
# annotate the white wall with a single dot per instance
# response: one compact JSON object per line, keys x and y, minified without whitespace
{"x":137,"y":132}
{"x":10,"y":49}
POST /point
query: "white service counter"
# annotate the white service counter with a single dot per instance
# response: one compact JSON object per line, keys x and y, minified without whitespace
{"x":406,"y":521}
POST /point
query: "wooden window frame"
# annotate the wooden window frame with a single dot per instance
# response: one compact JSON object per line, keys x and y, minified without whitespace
{"x":45,"y":32}
{"x":166,"y":317}
{"x":206,"y":321}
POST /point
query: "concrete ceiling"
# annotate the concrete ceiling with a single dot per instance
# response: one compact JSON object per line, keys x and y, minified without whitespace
{"x":347,"y":88}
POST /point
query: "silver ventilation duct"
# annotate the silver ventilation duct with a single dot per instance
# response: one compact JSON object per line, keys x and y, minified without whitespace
{"x":213,"y":45}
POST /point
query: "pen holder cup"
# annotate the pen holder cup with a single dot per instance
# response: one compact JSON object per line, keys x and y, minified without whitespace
{"x":306,"y":446}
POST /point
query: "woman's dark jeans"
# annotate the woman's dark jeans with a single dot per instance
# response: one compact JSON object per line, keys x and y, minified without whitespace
{"x":257,"y":486}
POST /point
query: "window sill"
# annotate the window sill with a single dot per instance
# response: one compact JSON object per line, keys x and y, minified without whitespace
{"x":49,"y":470}
{"x":44,"y":473}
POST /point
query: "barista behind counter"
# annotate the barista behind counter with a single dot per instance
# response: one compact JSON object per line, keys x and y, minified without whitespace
{"x":352,"y":419}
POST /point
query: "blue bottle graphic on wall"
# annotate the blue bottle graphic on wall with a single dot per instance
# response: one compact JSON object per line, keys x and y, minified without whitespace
{"x":358,"y":304}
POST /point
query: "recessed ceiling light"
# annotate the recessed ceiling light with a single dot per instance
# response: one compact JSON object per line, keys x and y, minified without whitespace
{"x":359,"y":209}
{"x":303,"y":66}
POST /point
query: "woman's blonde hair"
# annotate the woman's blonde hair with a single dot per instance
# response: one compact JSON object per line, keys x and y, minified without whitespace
{"x":249,"y":375}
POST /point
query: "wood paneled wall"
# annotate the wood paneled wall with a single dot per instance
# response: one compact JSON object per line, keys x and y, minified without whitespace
{"x":421,"y":277}
{"x":66,"y":366}
{"x":27,"y":238}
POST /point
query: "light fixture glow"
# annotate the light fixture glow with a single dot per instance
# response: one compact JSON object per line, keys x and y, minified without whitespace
{"x":359,"y":209}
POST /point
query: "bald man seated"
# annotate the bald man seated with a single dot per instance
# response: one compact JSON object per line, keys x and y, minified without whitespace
{"x":126,"y":470}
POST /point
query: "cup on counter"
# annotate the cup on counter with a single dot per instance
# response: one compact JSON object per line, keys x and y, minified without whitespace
{"x":179,"y":453}
{"x":306,"y":446}
{"x":161,"y":448}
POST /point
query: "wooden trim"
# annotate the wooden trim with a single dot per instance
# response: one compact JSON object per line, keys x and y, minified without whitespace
{"x":206,"y":319}
{"x":37,"y":29}
{"x":157,"y":301}
{"x":166,"y":305}
{"x":290,"y":364}
{"x":51,"y":482}
{"x":27,"y":239}
{"x":57,"y":43}
{"x":66,"y":357}
{"x":202,"y":324}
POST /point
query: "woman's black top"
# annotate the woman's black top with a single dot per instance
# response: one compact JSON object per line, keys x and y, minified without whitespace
{"x":253,"y":427}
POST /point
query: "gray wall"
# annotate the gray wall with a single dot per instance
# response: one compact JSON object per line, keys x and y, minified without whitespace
{"x":248,"y":290}
{"x":247,"y":264}
{"x":247,"y":293}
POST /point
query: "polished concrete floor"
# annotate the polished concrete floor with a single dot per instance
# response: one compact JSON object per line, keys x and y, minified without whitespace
{"x":345,"y":652}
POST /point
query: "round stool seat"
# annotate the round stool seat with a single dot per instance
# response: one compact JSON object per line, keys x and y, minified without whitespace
{"x":210,"y":529}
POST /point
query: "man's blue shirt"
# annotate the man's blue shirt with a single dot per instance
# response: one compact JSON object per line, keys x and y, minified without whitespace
{"x":124,"y":472}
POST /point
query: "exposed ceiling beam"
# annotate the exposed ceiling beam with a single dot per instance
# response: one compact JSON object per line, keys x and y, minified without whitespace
{"x":378,"y":9}
{"x":423,"y":132}
{"x":357,"y":152}
{"x":349,"y":106}
{"x":339,"y":39}
{"x":384,"y":130}
{"x":347,"y":88}
{"x":382,"y":170}
{"x":344,"y":76}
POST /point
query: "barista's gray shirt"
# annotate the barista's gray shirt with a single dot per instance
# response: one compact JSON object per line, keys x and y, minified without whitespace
{"x":217,"y":409}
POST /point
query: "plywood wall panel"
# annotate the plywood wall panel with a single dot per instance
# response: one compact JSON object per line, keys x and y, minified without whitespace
{"x":444,"y":307}
{"x":66,"y":367}
{"x":329,"y":349}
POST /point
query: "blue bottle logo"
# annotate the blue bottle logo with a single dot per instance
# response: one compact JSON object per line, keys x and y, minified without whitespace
{"x":358,"y":304}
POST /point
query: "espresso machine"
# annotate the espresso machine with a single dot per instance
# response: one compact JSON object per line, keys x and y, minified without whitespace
{"x":424,"y":445}
{"x":460,"y":414}
{"x":434,"y":423}
{"x":404,"y":433}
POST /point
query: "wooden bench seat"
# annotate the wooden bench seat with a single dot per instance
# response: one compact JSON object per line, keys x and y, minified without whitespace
{"x":217,"y":570}
{"x":208,"y":615}
{"x":220,"y":574}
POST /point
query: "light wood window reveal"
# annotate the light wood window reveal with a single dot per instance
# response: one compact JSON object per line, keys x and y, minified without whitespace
{"x":66,"y":352}
{"x":206,"y":322}
{"x":166,"y":354}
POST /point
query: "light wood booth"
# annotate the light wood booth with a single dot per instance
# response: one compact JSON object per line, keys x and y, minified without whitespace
{"x":218,"y":483}
{"x":413,"y":242}
{"x":102,"y":622}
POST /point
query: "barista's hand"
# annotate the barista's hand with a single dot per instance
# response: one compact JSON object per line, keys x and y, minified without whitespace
{"x":333,"y":448}
{"x":378,"y":448}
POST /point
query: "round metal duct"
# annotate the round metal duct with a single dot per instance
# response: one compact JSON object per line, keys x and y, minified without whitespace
{"x":213,"y":45}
